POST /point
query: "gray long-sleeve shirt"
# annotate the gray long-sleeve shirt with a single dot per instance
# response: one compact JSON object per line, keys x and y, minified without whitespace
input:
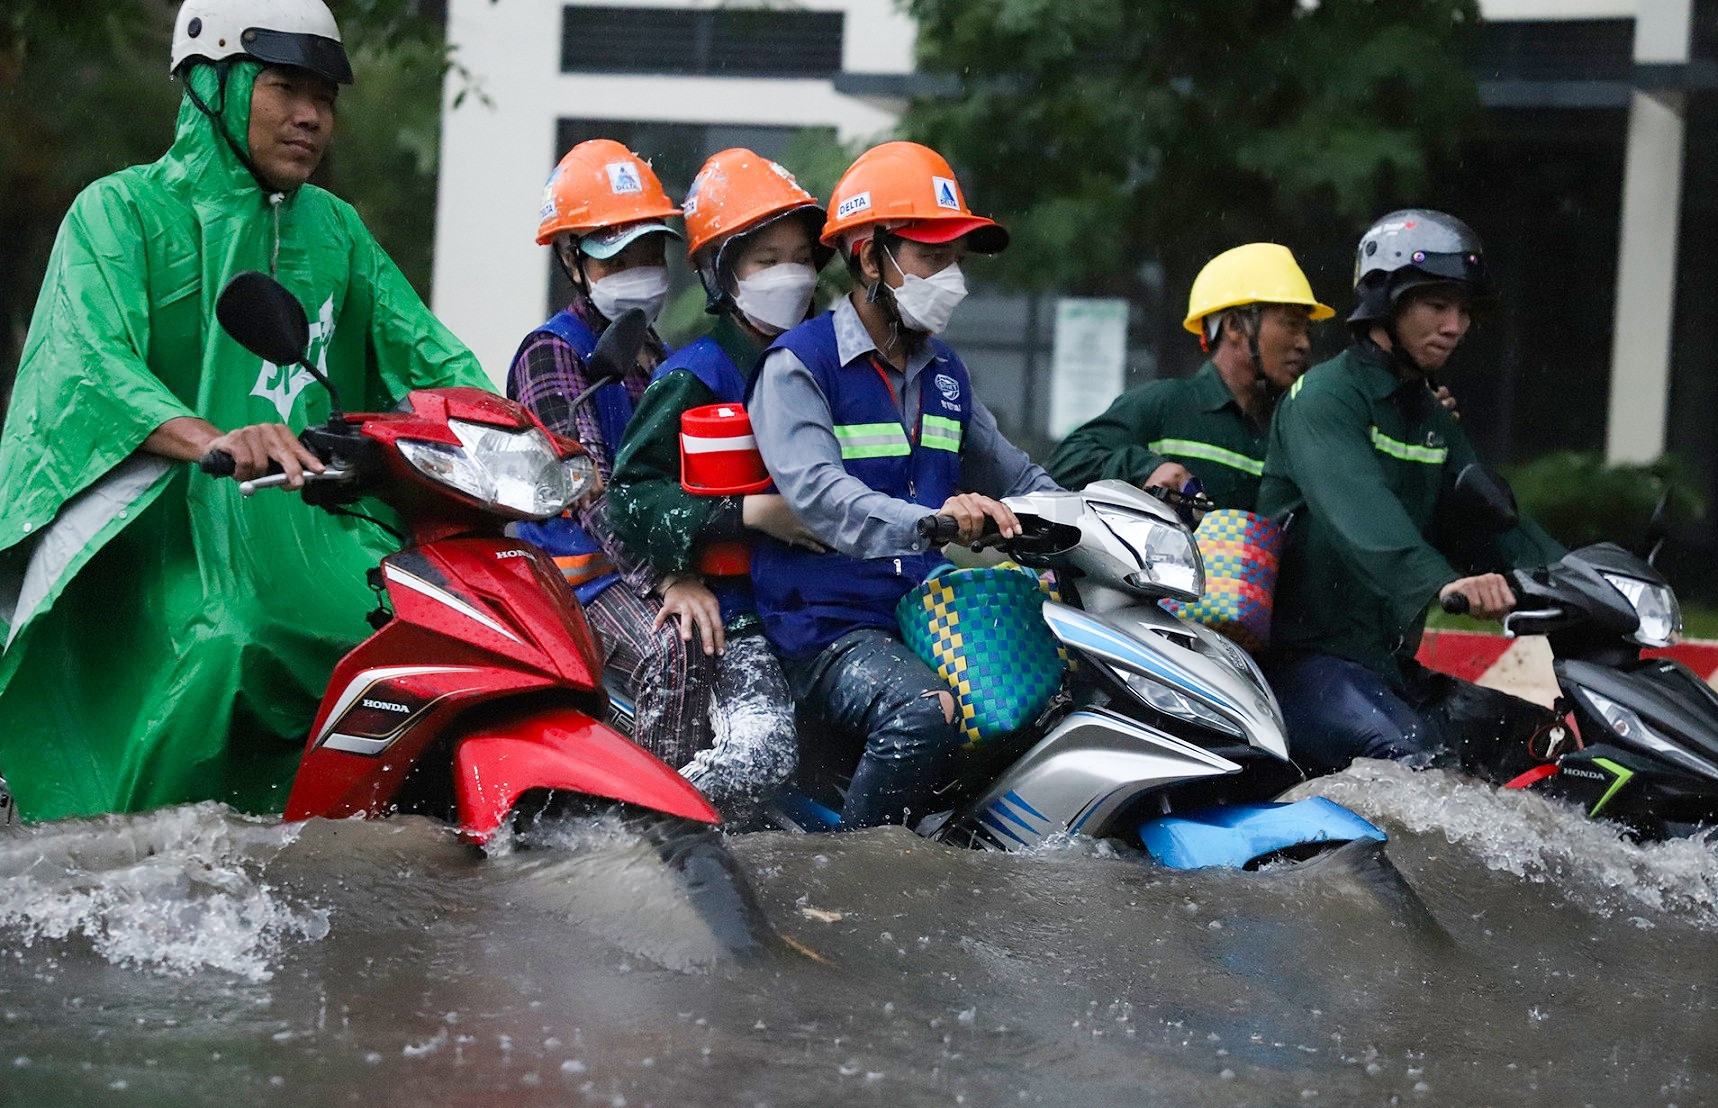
{"x":794,"y":428}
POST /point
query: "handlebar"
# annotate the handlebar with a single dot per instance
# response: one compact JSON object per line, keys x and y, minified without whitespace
{"x":941,"y":529}
{"x":219,"y":463}
{"x":1455,"y":604}
{"x":1038,"y":542}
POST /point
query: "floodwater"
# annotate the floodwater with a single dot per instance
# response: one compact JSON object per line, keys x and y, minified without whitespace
{"x":190,"y":957}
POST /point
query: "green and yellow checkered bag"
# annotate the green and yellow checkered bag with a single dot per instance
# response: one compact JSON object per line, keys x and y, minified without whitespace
{"x":983,"y":631}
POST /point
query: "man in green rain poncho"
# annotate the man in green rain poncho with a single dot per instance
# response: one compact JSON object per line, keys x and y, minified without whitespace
{"x":165,"y":641}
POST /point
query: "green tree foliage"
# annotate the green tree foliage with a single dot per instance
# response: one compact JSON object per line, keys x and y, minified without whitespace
{"x":1109,"y":133}
{"x":84,"y":91}
{"x":1580,"y":500}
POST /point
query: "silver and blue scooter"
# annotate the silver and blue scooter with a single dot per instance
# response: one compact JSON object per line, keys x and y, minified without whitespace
{"x":1164,"y":735}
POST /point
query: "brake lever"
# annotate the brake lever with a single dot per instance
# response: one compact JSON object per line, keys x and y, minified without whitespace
{"x":276,"y":480}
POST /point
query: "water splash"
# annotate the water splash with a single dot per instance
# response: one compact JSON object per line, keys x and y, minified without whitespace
{"x":1534,"y":837}
{"x":175,"y":891}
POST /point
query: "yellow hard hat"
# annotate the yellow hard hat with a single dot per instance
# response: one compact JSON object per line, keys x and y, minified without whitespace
{"x":1257,"y":273}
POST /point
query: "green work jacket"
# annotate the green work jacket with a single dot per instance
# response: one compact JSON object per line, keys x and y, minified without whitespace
{"x":650,"y":511}
{"x":1191,"y":420}
{"x":1359,"y":458}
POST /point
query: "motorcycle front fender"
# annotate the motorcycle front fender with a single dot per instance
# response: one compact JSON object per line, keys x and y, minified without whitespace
{"x":562,"y":750}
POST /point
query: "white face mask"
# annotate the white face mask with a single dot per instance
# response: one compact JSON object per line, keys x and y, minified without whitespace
{"x":927,"y":303}
{"x":644,"y":286}
{"x":775,"y":299}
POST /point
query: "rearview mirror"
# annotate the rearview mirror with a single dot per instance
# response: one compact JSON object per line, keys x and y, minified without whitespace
{"x":1484,"y":500}
{"x":615,"y":352}
{"x":264,"y":318}
{"x":1656,"y":529}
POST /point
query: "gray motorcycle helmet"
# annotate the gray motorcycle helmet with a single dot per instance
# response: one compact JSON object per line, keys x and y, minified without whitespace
{"x":1410,"y":248}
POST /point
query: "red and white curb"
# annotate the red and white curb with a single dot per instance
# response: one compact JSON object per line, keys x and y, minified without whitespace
{"x":1523,"y":666}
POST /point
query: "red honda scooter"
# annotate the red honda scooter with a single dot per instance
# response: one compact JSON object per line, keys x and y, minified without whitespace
{"x":480,"y":696}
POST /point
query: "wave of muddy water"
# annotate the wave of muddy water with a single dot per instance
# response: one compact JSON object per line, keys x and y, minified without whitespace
{"x":193,"y":957}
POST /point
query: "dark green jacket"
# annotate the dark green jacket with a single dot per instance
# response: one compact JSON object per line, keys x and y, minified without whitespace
{"x":650,"y":512}
{"x":1191,"y":420}
{"x":1360,"y":459}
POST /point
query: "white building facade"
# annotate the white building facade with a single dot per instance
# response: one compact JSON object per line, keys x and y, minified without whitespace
{"x":539,"y":75}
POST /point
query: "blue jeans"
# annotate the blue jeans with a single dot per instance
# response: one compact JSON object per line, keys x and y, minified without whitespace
{"x":879,"y":701}
{"x":1338,"y":710}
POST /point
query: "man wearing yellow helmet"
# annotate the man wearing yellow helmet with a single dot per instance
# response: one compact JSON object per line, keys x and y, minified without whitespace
{"x":1253,"y":309}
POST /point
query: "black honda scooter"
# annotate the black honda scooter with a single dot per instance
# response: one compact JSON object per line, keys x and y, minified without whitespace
{"x":1644,"y":749}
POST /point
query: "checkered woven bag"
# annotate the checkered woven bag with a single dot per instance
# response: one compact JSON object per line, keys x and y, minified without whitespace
{"x":1240,"y":551}
{"x":983,"y":631}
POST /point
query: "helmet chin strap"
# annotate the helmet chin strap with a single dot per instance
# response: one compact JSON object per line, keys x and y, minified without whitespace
{"x":1253,"y":324}
{"x":1265,"y":385}
{"x":879,"y":292}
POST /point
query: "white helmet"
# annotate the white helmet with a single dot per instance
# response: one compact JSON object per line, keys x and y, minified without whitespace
{"x":299,"y":33}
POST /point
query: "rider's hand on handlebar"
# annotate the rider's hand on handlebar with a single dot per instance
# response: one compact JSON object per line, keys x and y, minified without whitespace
{"x":1488,"y":595}
{"x":970,"y":509}
{"x":768,"y":512}
{"x":255,"y":447}
{"x":1169,"y":475}
{"x":687,"y":600}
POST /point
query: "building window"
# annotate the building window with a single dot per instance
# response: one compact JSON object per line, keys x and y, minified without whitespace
{"x":722,"y":42}
{"x":1563,"y":50}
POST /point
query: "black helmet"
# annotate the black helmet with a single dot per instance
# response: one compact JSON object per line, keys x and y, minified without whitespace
{"x":1410,"y":248}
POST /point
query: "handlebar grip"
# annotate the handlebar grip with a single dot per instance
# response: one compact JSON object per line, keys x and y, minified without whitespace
{"x":1455,"y":604}
{"x":217,"y":463}
{"x":939,"y":529}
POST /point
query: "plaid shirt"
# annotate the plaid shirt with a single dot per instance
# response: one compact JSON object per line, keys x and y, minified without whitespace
{"x":545,"y":377}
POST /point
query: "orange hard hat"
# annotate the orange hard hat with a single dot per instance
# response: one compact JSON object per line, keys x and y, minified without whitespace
{"x":738,"y":190}
{"x":600,"y":183}
{"x":910,"y":189}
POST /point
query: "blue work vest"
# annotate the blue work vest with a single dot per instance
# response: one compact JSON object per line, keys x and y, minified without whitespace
{"x":706,"y":360}
{"x":580,"y":556}
{"x":809,"y":600}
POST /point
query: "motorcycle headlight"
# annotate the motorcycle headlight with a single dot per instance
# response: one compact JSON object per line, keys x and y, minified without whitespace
{"x":1656,"y":607}
{"x":1172,"y":703}
{"x":515,"y":471}
{"x":1168,"y":559}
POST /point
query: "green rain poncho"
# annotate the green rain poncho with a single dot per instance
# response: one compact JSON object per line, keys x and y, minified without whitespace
{"x":165,"y":640}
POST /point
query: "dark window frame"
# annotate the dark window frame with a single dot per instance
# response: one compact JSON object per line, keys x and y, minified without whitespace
{"x":702,"y":42}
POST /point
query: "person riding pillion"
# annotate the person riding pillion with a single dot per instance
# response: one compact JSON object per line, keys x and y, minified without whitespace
{"x":1253,"y":310}
{"x":752,"y":237}
{"x":166,"y":641}
{"x":868,"y":424}
{"x":604,"y":214}
{"x":1363,"y":460}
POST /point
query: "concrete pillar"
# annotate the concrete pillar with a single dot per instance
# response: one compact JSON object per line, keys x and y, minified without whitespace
{"x":1646,"y":255}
